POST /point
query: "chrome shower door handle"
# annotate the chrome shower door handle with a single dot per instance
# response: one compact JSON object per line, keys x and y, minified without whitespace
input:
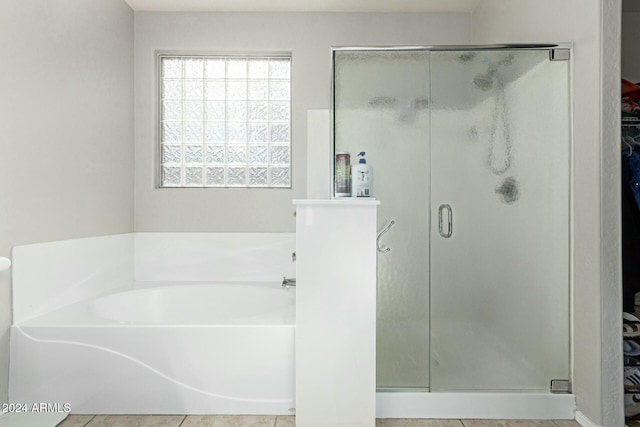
{"x":449,"y":229}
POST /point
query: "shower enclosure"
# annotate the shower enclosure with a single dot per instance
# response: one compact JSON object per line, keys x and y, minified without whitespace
{"x":469,"y":150}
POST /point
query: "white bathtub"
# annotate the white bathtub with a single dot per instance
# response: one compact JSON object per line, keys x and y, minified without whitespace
{"x":166,"y":348}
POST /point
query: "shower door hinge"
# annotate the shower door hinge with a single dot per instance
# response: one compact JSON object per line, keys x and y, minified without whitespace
{"x":559,"y":54}
{"x":560,"y":386}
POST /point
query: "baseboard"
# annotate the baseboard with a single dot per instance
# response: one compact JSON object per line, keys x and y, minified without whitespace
{"x":584,"y":421}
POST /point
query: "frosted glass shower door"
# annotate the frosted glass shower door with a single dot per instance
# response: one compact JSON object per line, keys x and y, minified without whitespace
{"x":499,"y":220}
{"x":381,"y":107}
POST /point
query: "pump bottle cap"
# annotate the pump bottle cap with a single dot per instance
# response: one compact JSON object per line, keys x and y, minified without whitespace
{"x":362,"y":160}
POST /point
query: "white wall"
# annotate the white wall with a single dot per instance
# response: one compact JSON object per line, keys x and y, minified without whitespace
{"x":5,"y":323}
{"x":631,"y":46}
{"x":591,"y":27}
{"x":214,"y":257}
{"x":66,"y":168}
{"x":309,"y":37}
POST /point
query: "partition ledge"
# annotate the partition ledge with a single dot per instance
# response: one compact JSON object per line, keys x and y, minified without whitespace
{"x":347,"y":201}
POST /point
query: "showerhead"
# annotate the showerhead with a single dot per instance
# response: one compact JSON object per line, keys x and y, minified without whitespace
{"x":467,"y":56}
{"x":507,"y":60}
{"x":509,"y":190}
{"x":407,"y":108}
{"x":383,"y":101}
{"x":484,"y":81}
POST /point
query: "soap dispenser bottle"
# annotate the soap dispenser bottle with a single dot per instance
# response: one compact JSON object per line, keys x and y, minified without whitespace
{"x":362,"y":177}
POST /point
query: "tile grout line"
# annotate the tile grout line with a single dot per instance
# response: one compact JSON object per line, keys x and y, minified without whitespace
{"x":462,"y":422}
{"x":183,"y":420}
{"x":558,"y":425}
{"x":90,"y":419}
{"x":275,"y":421}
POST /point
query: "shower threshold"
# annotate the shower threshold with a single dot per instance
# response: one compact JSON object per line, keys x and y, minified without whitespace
{"x":533,"y":405}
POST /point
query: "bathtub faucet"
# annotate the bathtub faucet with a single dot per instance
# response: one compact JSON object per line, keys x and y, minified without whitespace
{"x":288,"y":282}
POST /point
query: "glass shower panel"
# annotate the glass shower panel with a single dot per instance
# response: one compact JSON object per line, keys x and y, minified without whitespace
{"x":500,"y":188}
{"x":381,"y":107}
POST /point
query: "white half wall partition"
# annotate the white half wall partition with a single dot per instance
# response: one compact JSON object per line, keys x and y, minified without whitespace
{"x":336,"y":313}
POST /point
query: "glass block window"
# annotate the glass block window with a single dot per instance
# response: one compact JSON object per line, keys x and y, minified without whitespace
{"x":225,"y":121}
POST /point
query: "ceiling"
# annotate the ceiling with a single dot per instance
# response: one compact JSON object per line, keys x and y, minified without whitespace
{"x":305,"y":5}
{"x":321,"y":5}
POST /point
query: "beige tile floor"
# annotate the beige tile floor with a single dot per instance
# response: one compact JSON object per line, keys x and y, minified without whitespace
{"x":278,"y":421}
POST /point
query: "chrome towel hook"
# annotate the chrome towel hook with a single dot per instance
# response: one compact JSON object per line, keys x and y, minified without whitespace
{"x":380,"y":234}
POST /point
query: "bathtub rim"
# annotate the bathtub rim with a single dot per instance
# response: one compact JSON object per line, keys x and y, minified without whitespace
{"x":81,"y":313}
